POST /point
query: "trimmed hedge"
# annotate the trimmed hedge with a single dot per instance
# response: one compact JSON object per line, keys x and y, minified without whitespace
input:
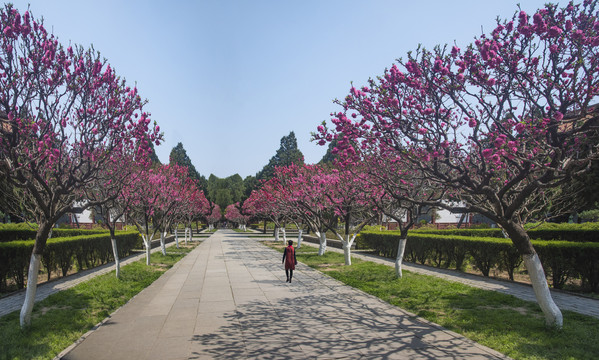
{"x":587,"y":232}
{"x":562,"y":260}
{"x":8,"y":234}
{"x":61,"y":253}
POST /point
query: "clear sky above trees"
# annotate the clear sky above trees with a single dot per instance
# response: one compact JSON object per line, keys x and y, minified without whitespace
{"x":229,"y":79}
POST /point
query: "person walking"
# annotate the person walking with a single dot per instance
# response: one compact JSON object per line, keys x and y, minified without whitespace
{"x":289,"y":260}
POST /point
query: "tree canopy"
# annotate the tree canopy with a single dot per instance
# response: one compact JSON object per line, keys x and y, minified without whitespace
{"x":179,"y":156}
{"x":287,"y":154}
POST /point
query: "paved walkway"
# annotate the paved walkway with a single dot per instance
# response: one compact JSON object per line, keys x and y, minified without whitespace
{"x":228,"y":299}
{"x":15,"y":301}
{"x":565,"y":301}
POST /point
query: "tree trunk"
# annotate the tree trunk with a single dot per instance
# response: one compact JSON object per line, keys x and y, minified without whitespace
{"x":162,"y":243}
{"x":34,"y":268}
{"x":41,"y":237}
{"x":284,"y":235}
{"x":177,"y":235}
{"x":553,"y":315}
{"x":299,"y":238}
{"x":401,"y":247}
{"x":117,"y":260}
{"x":323,"y":242}
{"x":347,"y":253}
{"x":148,"y":244}
{"x":347,"y":243}
{"x":520,"y":239}
{"x":276,"y":234}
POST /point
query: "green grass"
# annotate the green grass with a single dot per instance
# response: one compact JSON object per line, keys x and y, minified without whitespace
{"x":59,"y":320}
{"x":505,"y":323}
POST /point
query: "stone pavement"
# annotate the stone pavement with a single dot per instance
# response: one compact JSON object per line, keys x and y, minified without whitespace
{"x":228,"y":299}
{"x":15,"y":301}
{"x":565,"y":301}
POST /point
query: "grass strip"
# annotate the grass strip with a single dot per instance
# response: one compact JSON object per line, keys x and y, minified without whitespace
{"x":502,"y":322}
{"x":62,"y":318}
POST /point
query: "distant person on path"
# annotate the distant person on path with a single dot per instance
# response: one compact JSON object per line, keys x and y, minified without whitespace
{"x":289,"y":260}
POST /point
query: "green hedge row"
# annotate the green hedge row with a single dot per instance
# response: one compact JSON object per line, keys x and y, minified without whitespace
{"x":13,"y":234}
{"x":587,"y":232}
{"x":562,"y":260}
{"x":62,"y":253}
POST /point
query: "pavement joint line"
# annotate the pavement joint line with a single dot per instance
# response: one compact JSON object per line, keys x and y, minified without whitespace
{"x":14,"y":301}
{"x":110,"y":316}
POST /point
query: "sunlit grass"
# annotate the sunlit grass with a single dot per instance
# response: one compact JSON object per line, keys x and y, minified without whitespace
{"x":59,"y":320}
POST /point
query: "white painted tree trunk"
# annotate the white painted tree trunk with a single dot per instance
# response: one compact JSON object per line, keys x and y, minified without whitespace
{"x":277,"y":234}
{"x":323,"y":242}
{"x":553,"y":315}
{"x":401,"y":248}
{"x":117,"y":260}
{"x":177,"y":236}
{"x":162,"y":242}
{"x":148,"y":244}
{"x":34,"y":269}
{"x":284,"y":235}
{"x":187,"y":230}
{"x":299,"y":238}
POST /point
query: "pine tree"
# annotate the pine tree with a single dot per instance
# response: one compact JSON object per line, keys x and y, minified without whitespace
{"x":287,"y":154}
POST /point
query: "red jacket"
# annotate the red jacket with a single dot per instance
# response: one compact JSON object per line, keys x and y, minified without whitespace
{"x":289,"y":258}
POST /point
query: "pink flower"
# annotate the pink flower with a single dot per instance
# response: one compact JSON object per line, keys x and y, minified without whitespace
{"x":472,"y":122}
{"x":520,"y":127}
{"x":487,"y":153}
{"x":554,"y":31}
{"x":559,"y":116}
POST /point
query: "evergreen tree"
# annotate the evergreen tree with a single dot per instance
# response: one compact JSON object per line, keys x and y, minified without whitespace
{"x":179,"y":156}
{"x":225,"y":191}
{"x":287,"y":154}
{"x":329,"y":156}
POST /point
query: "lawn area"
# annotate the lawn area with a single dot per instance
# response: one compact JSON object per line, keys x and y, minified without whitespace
{"x":505,"y":323}
{"x":59,"y":320}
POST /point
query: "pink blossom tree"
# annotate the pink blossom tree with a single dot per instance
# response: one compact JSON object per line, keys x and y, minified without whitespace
{"x":145,"y":202}
{"x":265,"y":202}
{"x":172,"y":185}
{"x":66,"y":112}
{"x":108,"y":191}
{"x":234,"y":214}
{"x":350,"y":197}
{"x":304,"y":197}
{"x":214,"y":216}
{"x":499,"y":123}
{"x":401,"y":196}
{"x":194,"y":205}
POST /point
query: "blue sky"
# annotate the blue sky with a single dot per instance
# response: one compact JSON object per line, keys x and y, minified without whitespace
{"x":228,"y":79}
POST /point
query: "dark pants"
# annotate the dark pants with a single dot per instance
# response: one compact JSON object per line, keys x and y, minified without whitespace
{"x":289,"y":274}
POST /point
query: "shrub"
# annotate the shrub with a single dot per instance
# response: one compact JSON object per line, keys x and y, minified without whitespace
{"x":88,"y":250}
{"x":562,"y":260}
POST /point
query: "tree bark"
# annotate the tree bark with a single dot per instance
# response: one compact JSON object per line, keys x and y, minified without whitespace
{"x":520,"y":239}
{"x":177,"y":235}
{"x":299,"y":238}
{"x":41,"y":237}
{"x":323,"y":242}
{"x":162,"y":243}
{"x":347,"y":243}
{"x":276,"y":234}
{"x":117,"y":260}
{"x":34,"y":268}
{"x":401,"y":247}
{"x":148,"y":243}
